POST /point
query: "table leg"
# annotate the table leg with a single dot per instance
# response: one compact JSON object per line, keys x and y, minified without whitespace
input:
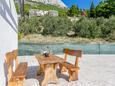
{"x":54,"y":78}
{"x":41,"y":70}
{"x":50,"y":74}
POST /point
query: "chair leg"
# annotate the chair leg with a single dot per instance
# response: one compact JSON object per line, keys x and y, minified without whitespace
{"x":62,"y":68}
{"x":73,"y":75}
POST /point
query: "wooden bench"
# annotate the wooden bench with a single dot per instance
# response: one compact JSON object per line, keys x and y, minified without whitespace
{"x":72,"y":68}
{"x":15,"y":78}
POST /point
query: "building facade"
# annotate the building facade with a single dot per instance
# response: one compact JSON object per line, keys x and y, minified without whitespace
{"x":8,"y":34}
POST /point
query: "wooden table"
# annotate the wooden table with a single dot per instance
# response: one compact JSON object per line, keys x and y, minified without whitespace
{"x":49,"y":65}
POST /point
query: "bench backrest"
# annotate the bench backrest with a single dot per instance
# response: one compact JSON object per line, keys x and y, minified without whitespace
{"x":76,"y":53}
{"x":15,"y":55}
{"x":10,"y":58}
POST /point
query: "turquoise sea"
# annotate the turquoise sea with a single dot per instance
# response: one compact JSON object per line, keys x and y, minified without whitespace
{"x":35,"y":48}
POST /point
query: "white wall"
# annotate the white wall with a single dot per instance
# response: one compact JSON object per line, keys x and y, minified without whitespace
{"x":8,"y":34}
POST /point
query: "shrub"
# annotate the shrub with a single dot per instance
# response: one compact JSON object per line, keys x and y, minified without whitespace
{"x":87,"y":28}
{"x":20,"y":35}
{"x":56,"y":26}
{"x":29,"y":26}
{"x":23,"y":26}
{"x":108,"y":28}
{"x":60,"y":26}
{"x":96,"y":27}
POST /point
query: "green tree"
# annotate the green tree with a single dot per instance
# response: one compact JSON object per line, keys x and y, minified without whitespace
{"x":106,"y":8}
{"x":73,"y":11}
{"x":112,"y":6}
{"x":92,"y":10}
{"x":26,"y":9}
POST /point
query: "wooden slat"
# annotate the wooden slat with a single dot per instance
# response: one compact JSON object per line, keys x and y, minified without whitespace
{"x":15,"y":53}
{"x":69,"y":65}
{"x":76,"y":53}
{"x":9,"y":58}
{"x":49,"y":60}
{"x":20,"y":70}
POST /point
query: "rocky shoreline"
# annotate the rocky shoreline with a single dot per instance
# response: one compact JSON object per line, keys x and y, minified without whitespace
{"x":37,"y":38}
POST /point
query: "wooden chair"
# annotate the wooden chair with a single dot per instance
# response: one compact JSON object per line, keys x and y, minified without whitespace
{"x":72,"y":68}
{"x":15,"y":78}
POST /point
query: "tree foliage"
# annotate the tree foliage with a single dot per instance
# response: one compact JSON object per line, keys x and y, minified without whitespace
{"x":105,"y":9}
{"x":46,"y":25}
{"x":87,"y":28}
{"x":59,"y":26}
{"x":73,"y":11}
{"x":92,"y":10}
{"x":56,"y":26}
{"x":29,"y":26}
{"x":96,"y":28}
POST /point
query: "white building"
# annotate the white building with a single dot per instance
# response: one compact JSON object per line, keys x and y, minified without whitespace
{"x":53,"y":13}
{"x":35,"y":12}
{"x":8,"y":34}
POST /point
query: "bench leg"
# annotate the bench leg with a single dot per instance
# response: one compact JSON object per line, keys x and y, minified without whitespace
{"x":12,"y":84}
{"x":18,"y":82}
{"x":73,"y":75}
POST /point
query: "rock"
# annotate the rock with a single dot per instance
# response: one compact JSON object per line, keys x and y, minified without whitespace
{"x":71,"y":33}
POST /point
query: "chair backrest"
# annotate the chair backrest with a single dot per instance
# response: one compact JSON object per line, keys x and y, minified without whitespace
{"x":76,"y":53}
{"x":10,"y":58}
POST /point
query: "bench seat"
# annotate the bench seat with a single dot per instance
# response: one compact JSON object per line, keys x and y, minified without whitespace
{"x":70,"y":66}
{"x":20,"y":72}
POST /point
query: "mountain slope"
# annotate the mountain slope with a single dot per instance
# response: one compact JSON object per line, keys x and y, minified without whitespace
{"x":53,"y":2}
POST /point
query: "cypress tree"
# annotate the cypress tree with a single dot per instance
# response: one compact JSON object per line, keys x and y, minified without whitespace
{"x":92,"y":10}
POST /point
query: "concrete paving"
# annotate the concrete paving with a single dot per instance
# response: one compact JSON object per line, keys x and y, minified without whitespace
{"x":95,"y":70}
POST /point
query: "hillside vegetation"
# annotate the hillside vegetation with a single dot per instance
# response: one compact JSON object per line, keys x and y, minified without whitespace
{"x":95,"y":23}
{"x":60,"y":26}
{"x":41,"y":6}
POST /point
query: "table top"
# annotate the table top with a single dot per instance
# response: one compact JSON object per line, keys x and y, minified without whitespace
{"x":49,"y":60}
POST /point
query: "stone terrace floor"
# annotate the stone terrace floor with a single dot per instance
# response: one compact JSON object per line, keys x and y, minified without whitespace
{"x":95,"y":70}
